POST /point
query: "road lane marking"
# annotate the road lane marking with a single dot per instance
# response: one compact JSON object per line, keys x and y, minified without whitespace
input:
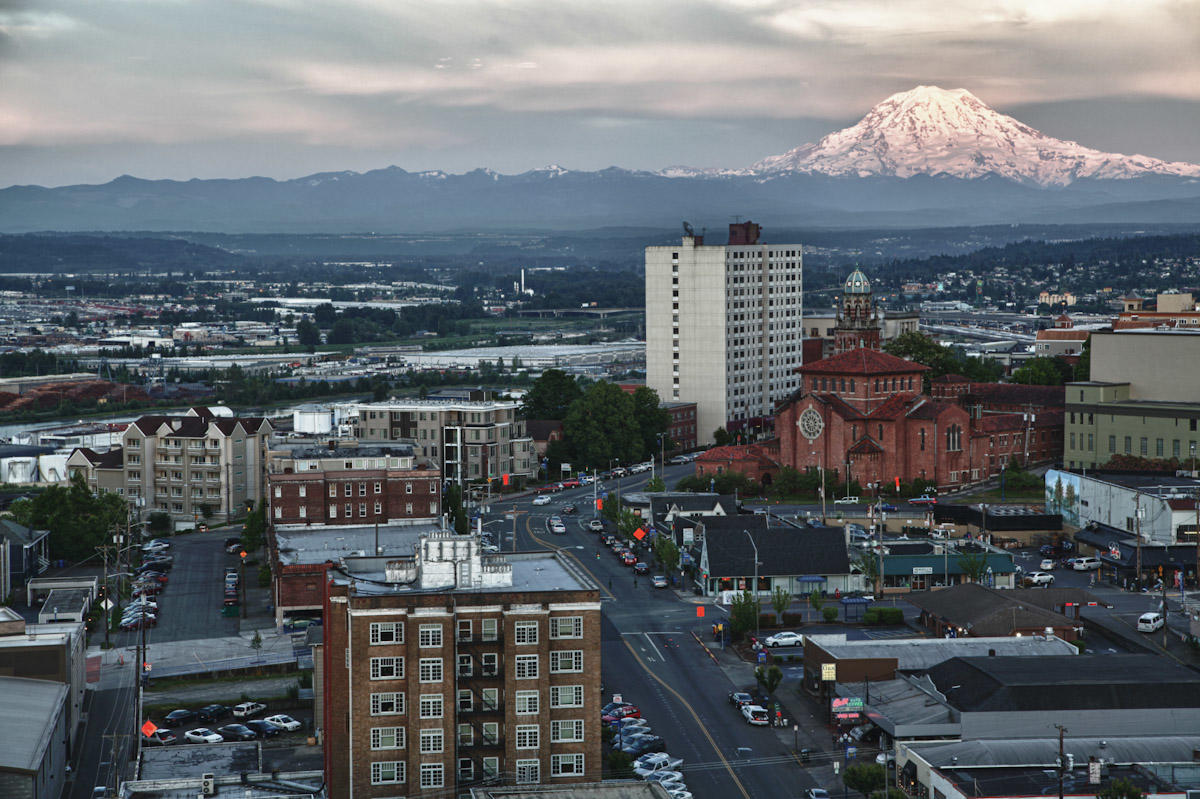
{"x":699,"y":724}
{"x":652,"y":646}
{"x":571,"y":555}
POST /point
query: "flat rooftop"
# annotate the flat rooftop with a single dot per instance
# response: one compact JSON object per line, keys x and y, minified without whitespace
{"x":1157,"y":484}
{"x":610,"y":789}
{"x":192,"y":762}
{"x":67,"y":600}
{"x":300,"y":544}
{"x":28,"y":711}
{"x":922,"y":653}
{"x":294,"y":785}
{"x":1118,"y":749}
{"x":531,"y":571}
{"x":1014,"y":781}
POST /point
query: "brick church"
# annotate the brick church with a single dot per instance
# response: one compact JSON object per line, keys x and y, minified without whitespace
{"x":865,"y":413}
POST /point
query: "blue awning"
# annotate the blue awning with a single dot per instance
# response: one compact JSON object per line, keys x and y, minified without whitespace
{"x":811,"y":578}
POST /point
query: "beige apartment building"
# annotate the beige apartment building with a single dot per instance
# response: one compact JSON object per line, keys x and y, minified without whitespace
{"x":1143,"y":399}
{"x":452,"y":668}
{"x":183,"y":465}
{"x":472,"y":440}
{"x":724,"y":326}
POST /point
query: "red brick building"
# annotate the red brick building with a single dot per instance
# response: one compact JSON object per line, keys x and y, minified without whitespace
{"x":759,"y":462}
{"x":864,"y":414}
{"x":682,"y":431}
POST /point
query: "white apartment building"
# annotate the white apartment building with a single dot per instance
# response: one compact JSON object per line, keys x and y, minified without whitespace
{"x":724,"y":326}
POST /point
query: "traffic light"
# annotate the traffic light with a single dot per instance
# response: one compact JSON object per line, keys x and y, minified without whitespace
{"x":599,"y":504}
{"x":504,"y":479}
{"x":242,"y":555}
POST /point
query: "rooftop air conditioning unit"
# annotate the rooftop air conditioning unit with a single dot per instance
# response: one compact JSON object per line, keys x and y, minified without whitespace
{"x":208,"y":785}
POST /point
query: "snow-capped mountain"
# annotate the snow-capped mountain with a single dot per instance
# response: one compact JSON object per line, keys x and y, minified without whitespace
{"x":934,"y":131}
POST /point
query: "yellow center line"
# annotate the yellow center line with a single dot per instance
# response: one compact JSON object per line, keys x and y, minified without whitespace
{"x":699,"y":724}
{"x":571,"y":555}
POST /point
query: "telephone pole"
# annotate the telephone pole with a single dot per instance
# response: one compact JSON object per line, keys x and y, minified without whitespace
{"x":1062,"y":759}
{"x":1137,"y":522}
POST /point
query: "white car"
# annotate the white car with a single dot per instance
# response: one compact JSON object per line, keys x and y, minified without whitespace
{"x":285,"y":721}
{"x":755,"y":715}
{"x":1040,"y":578}
{"x":1086,"y":564}
{"x":846,"y":501}
{"x":664,"y":776}
{"x":558,"y":528}
{"x":785,"y":639}
{"x":157,"y":545}
{"x":203,"y":735}
{"x":656,"y":761}
{"x":247,"y":709}
{"x":1149,"y":622}
{"x":678,"y":793}
{"x":541,"y":499}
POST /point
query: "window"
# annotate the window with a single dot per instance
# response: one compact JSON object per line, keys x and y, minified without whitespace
{"x":954,"y":438}
{"x":362,"y":509}
{"x":491,"y":767}
{"x":466,"y":735}
{"x":527,"y":667}
{"x":1072,"y":444}
{"x":566,"y":731}
{"x":527,"y":736}
{"x":466,"y":769}
{"x":362,"y":489}
{"x":922,"y":437}
{"x":466,"y":700}
{"x":349,"y":490}
{"x":1112,"y":443}
{"x":408,"y":488}
{"x":464,"y":630}
{"x":527,"y":703}
{"x":566,"y":627}
{"x":566,"y":765}
{"x":1144,"y":446}
{"x":529,"y":772}
{"x":379,"y":488}
{"x":387,"y":772}
{"x":431,"y":742}
{"x":389,"y":704}
{"x":487,"y":628}
{"x":430,"y":635}
{"x":278,"y":489}
{"x":304,"y":491}
{"x":387,"y":668}
{"x":1128,"y":445}
{"x":349,"y":510}
{"x":431,"y":706}
{"x":526,"y":632}
{"x":333,"y":491}
{"x":1158,"y":447}
{"x":386,"y":632}
{"x":489,"y":698}
{"x":490,"y":733}
{"x":566,"y":696}
{"x":431,"y":669}
{"x":378,"y":508}
{"x":489,"y":664}
{"x":567,"y":660}
{"x":431,"y":775}
{"x":465,"y":666}
{"x":387,"y":737}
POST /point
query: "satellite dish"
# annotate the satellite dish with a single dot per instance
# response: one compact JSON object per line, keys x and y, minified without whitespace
{"x":688,"y":230}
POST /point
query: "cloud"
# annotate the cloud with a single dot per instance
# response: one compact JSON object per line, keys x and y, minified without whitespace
{"x":443,"y":74}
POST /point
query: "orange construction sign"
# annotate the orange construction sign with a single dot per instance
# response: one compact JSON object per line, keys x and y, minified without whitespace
{"x":699,"y":612}
{"x":149,"y":728}
{"x":639,"y":534}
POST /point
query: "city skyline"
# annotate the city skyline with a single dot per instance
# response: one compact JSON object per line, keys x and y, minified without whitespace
{"x":281,"y":89}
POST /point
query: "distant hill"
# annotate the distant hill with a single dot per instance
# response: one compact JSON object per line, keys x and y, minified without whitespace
{"x":78,"y":253}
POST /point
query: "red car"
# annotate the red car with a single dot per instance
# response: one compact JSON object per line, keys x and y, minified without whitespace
{"x":570,"y":483}
{"x":629,"y":559}
{"x":622,"y":712}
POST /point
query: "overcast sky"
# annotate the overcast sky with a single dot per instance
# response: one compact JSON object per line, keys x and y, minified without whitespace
{"x":91,"y":89}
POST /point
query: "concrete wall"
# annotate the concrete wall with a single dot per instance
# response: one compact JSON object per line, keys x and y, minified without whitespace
{"x":1152,"y":363}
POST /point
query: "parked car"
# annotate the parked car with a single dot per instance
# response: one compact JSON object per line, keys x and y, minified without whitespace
{"x":755,"y":715}
{"x":663,"y":776}
{"x":656,"y":761}
{"x":262,"y":728}
{"x":611,"y":706}
{"x":1039,"y":578}
{"x":160,"y":737}
{"x":924,"y":499}
{"x":620,"y":471}
{"x":596,"y":526}
{"x":784,"y":639}
{"x":629,"y":559}
{"x":299,"y":625}
{"x":247,"y":709}
{"x":1047,"y":564}
{"x":181,"y":716}
{"x":156,"y":545}
{"x":237,"y":732}
{"x":1149,"y":622}
{"x":740,"y":698}
{"x":541,"y":499}
{"x":137,"y":622}
{"x":631,"y":724}
{"x":678,"y":460}
{"x":846,"y":501}
{"x":571,"y":483}
{"x":816,"y":793}
{"x":212,"y":712}
{"x":642,"y":745}
{"x":1086,"y":564}
{"x":286,"y":722}
{"x":678,"y":793}
{"x":203,"y":735}
{"x":620,"y":712}
{"x":659,"y":581}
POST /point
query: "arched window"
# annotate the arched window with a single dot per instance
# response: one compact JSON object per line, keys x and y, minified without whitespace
{"x":881,"y":432}
{"x":842,"y":384}
{"x":823,"y":384}
{"x":852,"y":385}
{"x":922,"y":436}
{"x":954,"y":439}
{"x":910,"y":388}
{"x":877,"y":385}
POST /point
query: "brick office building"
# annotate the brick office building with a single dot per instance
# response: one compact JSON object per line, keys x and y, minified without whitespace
{"x":359,"y":485}
{"x":452,"y":668}
{"x":863,"y":412}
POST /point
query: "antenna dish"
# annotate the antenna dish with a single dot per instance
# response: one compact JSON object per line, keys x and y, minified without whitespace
{"x":688,"y":230}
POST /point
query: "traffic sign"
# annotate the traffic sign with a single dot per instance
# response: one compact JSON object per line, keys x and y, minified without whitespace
{"x":149,"y":728}
{"x":107,"y":604}
{"x":146,"y":667}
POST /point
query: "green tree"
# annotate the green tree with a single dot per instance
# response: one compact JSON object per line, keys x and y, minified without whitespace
{"x":1043,"y":372}
{"x":721,"y":437}
{"x":667,"y":553}
{"x":743,"y":613}
{"x":651,"y":419}
{"x":308,"y":334}
{"x":78,"y":520}
{"x":600,"y":427}
{"x":343,"y":332}
{"x":1083,"y":367}
{"x":974,"y":565}
{"x":1119,"y":789}
{"x":769,"y":678}
{"x":254,"y":531}
{"x":866,"y":778}
{"x":656,"y":484}
{"x":551,"y":395}
{"x":159,"y":522}
{"x":781,"y":600}
{"x":453,"y":503}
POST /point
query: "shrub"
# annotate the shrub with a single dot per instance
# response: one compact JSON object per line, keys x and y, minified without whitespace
{"x":264,"y":576}
{"x":890,"y":615}
{"x":830,"y":614}
{"x":793,"y":619}
{"x":766,"y":620}
{"x":871,"y":616}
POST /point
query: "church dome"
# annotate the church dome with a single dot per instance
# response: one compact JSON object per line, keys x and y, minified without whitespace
{"x":857,"y":283}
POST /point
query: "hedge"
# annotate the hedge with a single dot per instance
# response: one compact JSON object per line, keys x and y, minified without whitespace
{"x":793,"y":619}
{"x":887,"y":615}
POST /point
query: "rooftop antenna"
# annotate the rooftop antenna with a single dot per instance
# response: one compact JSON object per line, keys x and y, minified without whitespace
{"x":688,"y":230}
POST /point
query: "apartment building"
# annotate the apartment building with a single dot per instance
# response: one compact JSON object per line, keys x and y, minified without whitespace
{"x":197,"y":466}
{"x":352,"y":485}
{"x":724,"y":326}
{"x":472,"y":439}
{"x":451,"y":668}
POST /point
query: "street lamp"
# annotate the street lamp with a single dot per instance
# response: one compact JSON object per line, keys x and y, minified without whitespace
{"x":756,"y":564}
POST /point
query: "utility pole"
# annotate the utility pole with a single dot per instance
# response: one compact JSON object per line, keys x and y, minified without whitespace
{"x":756,"y":613}
{"x":108,"y":613}
{"x":1062,"y":759}
{"x":1137,"y":523}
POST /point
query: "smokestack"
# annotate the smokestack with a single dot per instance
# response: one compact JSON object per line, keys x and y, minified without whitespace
{"x":744,"y":233}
